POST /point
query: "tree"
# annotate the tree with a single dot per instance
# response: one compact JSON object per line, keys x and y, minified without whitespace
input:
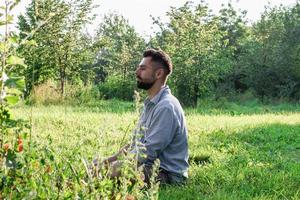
{"x":119,"y":50}
{"x":195,"y":43}
{"x":11,"y":86}
{"x":274,"y":72}
{"x":234,"y":22}
{"x":57,"y":55}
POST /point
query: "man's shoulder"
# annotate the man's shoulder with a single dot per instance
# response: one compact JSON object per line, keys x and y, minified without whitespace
{"x":168,"y":101}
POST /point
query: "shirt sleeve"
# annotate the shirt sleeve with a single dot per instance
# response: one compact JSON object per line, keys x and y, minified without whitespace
{"x":159,"y":134}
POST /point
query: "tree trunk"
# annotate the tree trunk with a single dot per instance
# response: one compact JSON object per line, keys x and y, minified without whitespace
{"x":62,"y":74}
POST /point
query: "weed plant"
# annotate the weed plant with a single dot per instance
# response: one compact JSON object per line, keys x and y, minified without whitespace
{"x":244,"y":156}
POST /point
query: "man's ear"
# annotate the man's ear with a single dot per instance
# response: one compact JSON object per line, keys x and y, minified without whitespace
{"x":160,"y":73}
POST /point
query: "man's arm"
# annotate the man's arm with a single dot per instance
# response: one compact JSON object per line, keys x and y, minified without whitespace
{"x":114,"y":157}
{"x":159,"y":134}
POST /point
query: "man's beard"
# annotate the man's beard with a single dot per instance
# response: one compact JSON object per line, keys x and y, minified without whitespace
{"x":145,"y":86}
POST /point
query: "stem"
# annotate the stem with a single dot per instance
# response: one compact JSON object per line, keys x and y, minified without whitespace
{"x":4,"y":56}
{"x":4,"y":51}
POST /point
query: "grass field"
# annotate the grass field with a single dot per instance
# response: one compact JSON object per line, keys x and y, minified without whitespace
{"x":246,"y":153}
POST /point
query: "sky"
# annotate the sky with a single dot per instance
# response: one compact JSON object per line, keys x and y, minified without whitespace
{"x":138,"y":11}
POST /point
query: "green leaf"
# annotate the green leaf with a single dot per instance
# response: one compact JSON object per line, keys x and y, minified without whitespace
{"x":24,"y":32}
{"x":15,"y":82}
{"x":2,"y":23}
{"x":20,"y":84}
{"x":10,"y":19}
{"x":10,"y":159}
{"x":2,"y":46}
{"x":31,"y":42}
{"x":15,"y":60}
{"x":14,"y":5}
{"x":12,"y":100}
{"x":13,"y":39}
{"x":13,"y":91}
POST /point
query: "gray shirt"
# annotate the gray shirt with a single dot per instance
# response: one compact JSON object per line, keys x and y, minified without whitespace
{"x":164,"y":133}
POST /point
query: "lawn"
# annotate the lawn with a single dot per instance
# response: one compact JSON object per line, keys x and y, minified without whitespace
{"x":234,"y":155}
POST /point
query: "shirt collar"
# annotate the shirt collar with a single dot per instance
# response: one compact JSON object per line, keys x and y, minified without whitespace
{"x":157,"y":97}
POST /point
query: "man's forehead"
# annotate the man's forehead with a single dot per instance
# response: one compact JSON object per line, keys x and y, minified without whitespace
{"x":145,"y":61}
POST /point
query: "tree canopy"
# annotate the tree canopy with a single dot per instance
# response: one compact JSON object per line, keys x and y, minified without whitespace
{"x":216,"y":55}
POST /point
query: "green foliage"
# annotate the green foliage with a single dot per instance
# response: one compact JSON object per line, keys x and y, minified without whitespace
{"x":218,"y":55}
{"x":197,"y":48}
{"x":81,"y":95}
{"x":117,"y":87}
{"x":119,"y":45}
{"x":45,"y":93}
{"x":240,"y":151}
{"x":12,"y":131}
{"x":234,"y":23}
{"x":57,"y":54}
{"x":213,"y":54}
{"x":247,"y":163}
{"x":269,"y":62}
{"x":120,"y":49}
{"x":108,"y":106}
{"x":241,"y":106}
{"x":243,"y":157}
{"x":66,"y":170}
{"x":11,"y":87}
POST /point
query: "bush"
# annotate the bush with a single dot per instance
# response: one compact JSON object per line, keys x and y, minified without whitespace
{"x":79,"y":94}
{"x":117,"y":87}
{"x":49,"y":93}
{"x":45,"y":93}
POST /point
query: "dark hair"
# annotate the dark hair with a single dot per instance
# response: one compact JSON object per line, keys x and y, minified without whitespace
{"x":160,"y":57}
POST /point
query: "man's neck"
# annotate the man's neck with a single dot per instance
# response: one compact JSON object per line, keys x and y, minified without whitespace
{"x":154,"y":90}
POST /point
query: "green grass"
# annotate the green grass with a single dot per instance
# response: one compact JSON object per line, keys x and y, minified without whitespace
{"x":249,"y":107}
{"x":246,"y":153}
{"x":205,"y":107}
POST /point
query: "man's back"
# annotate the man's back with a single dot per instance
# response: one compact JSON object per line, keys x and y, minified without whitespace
{"x":164,"y":133}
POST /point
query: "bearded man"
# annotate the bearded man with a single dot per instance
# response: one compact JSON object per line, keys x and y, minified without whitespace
{"x":162,"y":127}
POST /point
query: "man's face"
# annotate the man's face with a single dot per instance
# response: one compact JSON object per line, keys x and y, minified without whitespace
{"x":145,"y":74}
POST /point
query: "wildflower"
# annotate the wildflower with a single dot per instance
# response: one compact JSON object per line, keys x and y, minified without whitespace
{"x":3,"y":94}
{"x":20,"y":147}
{"x":20,"y":144}
{"x":48,"y":169}
{"x":130,"y":197}
{"x":4,"y":77}
{"x":6,"y":147}
{"x":20,"y":140}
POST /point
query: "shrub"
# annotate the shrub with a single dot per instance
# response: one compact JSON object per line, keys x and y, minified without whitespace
{"x":117,"y":87}
{"x":49,"y":93}
{"x":45,"y":93}
{"x":79,"y":94}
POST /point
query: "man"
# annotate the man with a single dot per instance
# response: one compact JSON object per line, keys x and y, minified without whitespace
{"x":162,"y":126}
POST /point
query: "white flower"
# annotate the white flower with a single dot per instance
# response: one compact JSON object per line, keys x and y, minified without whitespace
{"x":4,"y":77}
{"x":3,"y":94}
